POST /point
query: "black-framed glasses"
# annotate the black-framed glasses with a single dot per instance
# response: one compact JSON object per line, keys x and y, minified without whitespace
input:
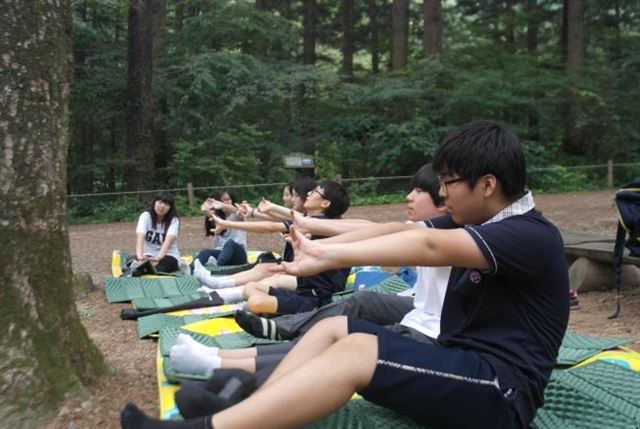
{"x":444,"y":183}
{"x":319,"y":193}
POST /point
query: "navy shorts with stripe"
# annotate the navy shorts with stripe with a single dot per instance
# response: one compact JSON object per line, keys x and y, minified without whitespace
{"x":290,"y":302}
{"x":439,"y":387}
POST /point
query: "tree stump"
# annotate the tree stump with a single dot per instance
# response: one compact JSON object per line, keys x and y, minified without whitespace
{"x":586,"y":275}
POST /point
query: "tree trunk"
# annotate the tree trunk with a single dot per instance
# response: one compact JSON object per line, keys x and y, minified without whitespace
{"x":45,"y":352}
{"x":178,"y":23}
{"x":309,"y":32}
{"x":348,"y":42}
{"x":399,"y":34}
{"x":533,"y":24}
{"x":140,"y":168}
{"x":575,"y":64}
{"x":374,"y":31}
{"x":510,"y":31}
{"x":432,"y":36}
{"x":563,"y":31}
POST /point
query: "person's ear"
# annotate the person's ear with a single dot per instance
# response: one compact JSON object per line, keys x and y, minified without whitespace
{"x":489,"y":184}
{"x":325,"y":204}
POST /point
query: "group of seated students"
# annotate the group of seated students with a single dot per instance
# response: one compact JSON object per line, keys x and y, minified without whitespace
{"x":475,"y":346}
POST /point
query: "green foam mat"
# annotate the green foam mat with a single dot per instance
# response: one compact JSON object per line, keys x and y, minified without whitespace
{"x":362,"y":414}
{"x":148,"y":325}
{"x":150,"y":303}
{"x":225,"y":269}
{"x":392,"y":285}
{"x":236,"y":340}
{"x":169,"y":335}
{"x":576,"y":348}
{"x":590,"y":397}
{"x":124,"y":289}
{"x":176,"y":377}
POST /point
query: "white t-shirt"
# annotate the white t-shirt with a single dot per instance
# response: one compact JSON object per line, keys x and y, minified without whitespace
{"x":153,"y":238}
{"x":430,"y":288}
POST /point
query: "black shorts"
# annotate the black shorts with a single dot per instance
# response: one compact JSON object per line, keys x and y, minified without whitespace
{"x":290,"y":302}
{"x":439,"y":387}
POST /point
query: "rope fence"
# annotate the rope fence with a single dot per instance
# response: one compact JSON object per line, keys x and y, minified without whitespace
{"x":116,"y":206}
{"x":190,"y":188}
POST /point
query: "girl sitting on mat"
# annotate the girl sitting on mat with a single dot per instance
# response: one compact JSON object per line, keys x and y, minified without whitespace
{"x":229,"y":245}
{"x":157,"y":234}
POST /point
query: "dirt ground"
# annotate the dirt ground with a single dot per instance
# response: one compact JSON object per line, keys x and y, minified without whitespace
{"x":131,"y":361}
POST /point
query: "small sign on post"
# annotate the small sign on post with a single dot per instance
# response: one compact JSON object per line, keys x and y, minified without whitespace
{"x":298,"y":160}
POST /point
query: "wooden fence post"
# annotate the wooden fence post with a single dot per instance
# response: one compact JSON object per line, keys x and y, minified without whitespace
{"x":190,"y":194}
{"x":610,"y":173}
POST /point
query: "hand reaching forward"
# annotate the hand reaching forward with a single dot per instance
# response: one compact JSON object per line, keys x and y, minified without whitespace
{"x":301,"y":222}
{"x":220,"y":223}
{"x":265,"y":205}
{"x":311,"y":257}
{"x":244,"y":209}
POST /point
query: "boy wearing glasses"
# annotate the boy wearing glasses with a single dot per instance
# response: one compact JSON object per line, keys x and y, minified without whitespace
{"x":328,"y":200}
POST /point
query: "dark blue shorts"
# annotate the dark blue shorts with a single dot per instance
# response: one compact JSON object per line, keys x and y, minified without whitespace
{"x":439,"y":387}
{"x":290,"y":302}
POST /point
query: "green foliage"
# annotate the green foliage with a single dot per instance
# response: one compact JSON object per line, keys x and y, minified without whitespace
{"x":235,"y":98}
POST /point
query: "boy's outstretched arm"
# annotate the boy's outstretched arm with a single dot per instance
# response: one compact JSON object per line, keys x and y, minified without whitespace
{"x":328,"y":227}
{"x":259,"y":227}
{"x":423,"y":247}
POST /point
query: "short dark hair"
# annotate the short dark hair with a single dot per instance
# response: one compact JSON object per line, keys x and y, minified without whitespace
{"x":167,"y":198}
{"x":303,"y":186}
{"x":337,"y":195}
{"x":426,"y":179}
{"x":484,"y":147}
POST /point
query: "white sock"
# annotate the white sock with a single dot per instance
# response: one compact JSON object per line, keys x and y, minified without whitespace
{"x":231,"y":295}
{"x":186,"y":340}
{"x":184,"y":359}
{"x":204,"y":277}
{"x":212,"y":261}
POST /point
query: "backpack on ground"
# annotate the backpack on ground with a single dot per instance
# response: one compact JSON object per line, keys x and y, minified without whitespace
{"x":628,"y":236}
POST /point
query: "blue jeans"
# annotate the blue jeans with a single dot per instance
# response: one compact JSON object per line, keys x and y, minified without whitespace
{"x":231,"y":254}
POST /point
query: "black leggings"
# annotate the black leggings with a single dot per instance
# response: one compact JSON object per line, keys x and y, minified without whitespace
{"x":168,"y":264}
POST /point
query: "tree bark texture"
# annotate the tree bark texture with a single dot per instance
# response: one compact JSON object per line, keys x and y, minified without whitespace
{"x":374,"y":31}
{"x":533,"y":25}
{"x":399,"y":34}
{"x":348,"y":41}
{"x":432,"y":36}
{"x":309,"y":22}
{"x":575,"y":64}
{"x":45,"y":352}
{"x":140,"y":169}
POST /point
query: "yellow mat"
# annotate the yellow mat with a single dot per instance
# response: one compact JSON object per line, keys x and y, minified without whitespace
{"x":168,"y":409}
{"x":621,"y":356}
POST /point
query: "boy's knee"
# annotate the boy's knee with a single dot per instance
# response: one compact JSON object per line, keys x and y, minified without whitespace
{"x":336,"y":327}
{"x":262,"y":304}
{"x":250,"y":289}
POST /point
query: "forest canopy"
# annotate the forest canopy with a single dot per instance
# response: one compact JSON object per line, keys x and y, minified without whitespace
{"x":216,"y":92}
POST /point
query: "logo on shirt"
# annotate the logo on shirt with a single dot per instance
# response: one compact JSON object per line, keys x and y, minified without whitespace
{"x":475,"y":277}
{"x":154,"y":237}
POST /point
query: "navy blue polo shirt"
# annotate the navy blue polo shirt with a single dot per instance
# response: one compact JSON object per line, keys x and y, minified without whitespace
{"x":322,"y":285}
{"x":515,"y":313}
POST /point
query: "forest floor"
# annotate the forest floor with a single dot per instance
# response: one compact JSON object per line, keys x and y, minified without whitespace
{"x":131,"y":362}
